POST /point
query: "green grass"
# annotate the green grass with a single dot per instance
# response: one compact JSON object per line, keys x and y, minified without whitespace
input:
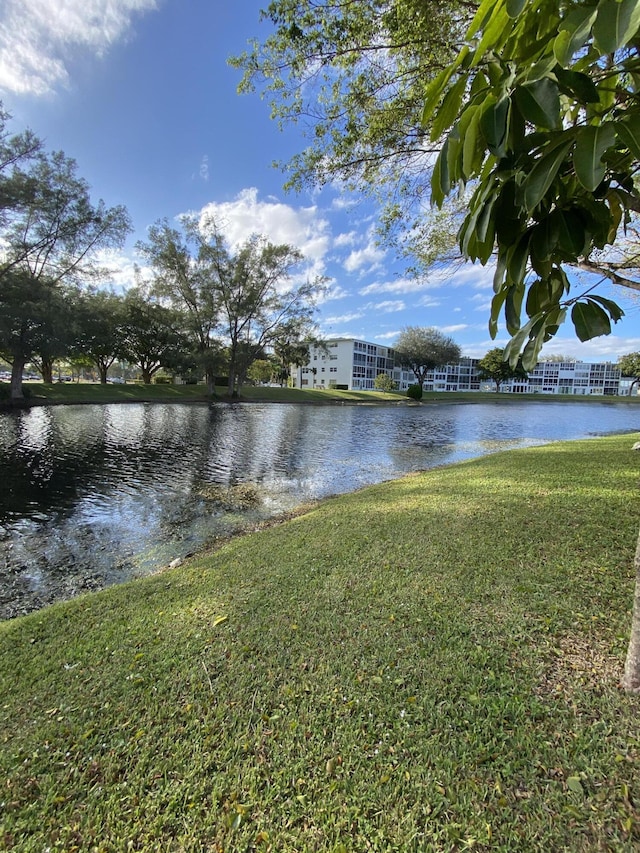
{"x":425,"y":665}
{"x":88,"y":392}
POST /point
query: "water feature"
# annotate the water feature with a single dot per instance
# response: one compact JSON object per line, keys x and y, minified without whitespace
{"x":94,"y":495}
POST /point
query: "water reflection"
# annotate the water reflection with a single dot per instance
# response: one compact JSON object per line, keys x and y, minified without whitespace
{"x":92,"y":495}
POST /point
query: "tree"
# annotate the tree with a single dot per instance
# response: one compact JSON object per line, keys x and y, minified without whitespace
{"x":100,"y":329}
{"x":183,"y":264}
{"x":424,"y":349}
{"x":493,"y":366}
{"x":51,"y":233}
{"x":540,"y":110}
{"x":34,"y":323}
{"x":556,"y":357}
{"x":151,"y":335}
{"x":57,"y":334}
{"x":630,"y":366}
{"x":383,"y":382}
{"x":261,"y":370}
{"x":259,"y":304}
{"x":287,"y":352}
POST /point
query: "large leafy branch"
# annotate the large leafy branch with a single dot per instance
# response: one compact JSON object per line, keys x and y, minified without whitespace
{"x":540,"y":113}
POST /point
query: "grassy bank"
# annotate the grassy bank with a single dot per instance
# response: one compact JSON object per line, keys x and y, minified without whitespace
{"x":428,"y":664}
{"x":87,"y":392}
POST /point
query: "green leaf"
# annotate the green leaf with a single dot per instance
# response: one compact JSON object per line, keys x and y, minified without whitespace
{"x":498,"y":276}
{"x":543,"y":174}
{"x":514,"y":7}
{"x":539,"y":103}
{"x":471,"y":152}
{"x":498,"y":26}
{"x":540,"y":333}
{"x":512,"y":349}
{"x":494,"y":124}
{"x":571,"y":233}
{"x":543,"y":295}
{"x":532,"y":350}
{"x":590,"y":320}
{"x":614,"y":310}
{"x":575,"y":29}
{"x":540,"y":69}
{"x":578,"y":85}
{"x":496,"y":307}
{"x":513,"y":307}
{"x":482,"y":15}
{"x":440,"y":185}
{"x":574,"y":784}
{"x":628,"y":133}
{"x":437,"y":86}
{"x":517,"y":258}
{"x":542,"y":249}
{"x":454,"y":153}
{"x":617,"y":212}
{"x":591,"y":144}
{"x":615,"y":24}
{"x":434,"y":93}
{"x":448,"y":111}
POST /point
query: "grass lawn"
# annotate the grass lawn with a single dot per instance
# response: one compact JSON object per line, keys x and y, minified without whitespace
{"x":88,"y":392}
{"x":430,"y":664}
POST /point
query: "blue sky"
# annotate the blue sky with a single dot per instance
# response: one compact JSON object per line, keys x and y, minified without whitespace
{"x":139,"y":92}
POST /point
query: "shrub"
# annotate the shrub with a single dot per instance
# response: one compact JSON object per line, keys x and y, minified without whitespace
{"x":414,"y":392}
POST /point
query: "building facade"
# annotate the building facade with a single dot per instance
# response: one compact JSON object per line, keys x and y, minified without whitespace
{"x":345,"y":363}
{"x":353,"y":365}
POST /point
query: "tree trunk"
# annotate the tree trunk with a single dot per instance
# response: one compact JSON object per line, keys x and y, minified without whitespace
{"x":16,"y":379}
{"x":46,"y":368}
{"x":146,"y":376}
{"x":631,"y":678}
{"x":103,"y":374}
{"x":497,"y":381}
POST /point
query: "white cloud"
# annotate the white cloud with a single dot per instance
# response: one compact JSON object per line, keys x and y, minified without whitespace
{"x":430,"y":302}
{"x":464,"y":275}
{"x":370,"y":258}
{"x":38,"y":38}
{"x":397,"y":286}
{"x":204,"y":168}
{"x":387,"y":336}
{"x":120,"y":269}
{"x":344,"y":318}
{"x":366,"y":259}
{"x":246,"y":214}
{"x":334,"y":291}
{"x":448,"y":330}
{"x":345,"y":239}
{"x":389,"y":306}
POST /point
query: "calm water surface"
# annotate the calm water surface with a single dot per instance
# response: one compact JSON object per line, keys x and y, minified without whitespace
{"x":93,"y":495}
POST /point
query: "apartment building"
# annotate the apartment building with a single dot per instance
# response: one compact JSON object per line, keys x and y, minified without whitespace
{"x":354,"y":365}
{"x":345,"y":363}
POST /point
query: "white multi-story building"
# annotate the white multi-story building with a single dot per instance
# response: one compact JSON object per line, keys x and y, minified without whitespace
{"x":353,"y":365}
{"x":345,"y":363}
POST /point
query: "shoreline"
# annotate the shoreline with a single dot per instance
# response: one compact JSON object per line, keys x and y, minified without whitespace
{"x":40,"y":395}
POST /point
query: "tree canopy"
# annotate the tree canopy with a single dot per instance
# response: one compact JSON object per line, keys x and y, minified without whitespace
{"x":494,"y":367}
{"x":352,"y":77}
{"x":629,"y":365}
{"x":243,"y":297}
{"x":423,"y":349}
{"x":539,"y":113}
{"x":50,"y":232}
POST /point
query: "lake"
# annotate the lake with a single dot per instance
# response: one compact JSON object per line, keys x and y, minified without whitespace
{"x":95,"y":495}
